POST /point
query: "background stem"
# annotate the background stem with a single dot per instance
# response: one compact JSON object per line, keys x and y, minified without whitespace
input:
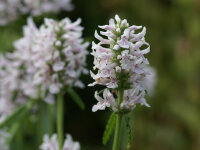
{"x":60,"y":120}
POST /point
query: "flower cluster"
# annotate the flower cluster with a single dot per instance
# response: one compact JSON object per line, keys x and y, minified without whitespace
{"x":16,"y":73}
{"x":44,"y":62}
{"x":9,"y":83}
{"x":52,"y":143}
{"x":11,"y":9}
{"x":59,"y":55}
{"x":120,"y":64}
{"x":38,"y":7}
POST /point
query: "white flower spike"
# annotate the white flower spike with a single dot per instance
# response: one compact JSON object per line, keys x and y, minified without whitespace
{"x":120,"y":64}
{"x":11,"y":9}
{"x":59,"y":55}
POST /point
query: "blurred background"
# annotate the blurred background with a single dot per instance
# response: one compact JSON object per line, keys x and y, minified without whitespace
{"x":173,"y":31}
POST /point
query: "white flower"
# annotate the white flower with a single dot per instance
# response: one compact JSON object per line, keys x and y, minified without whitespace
{"x":6,"y":106}
{"x":37,"y":7}
{"x":132,"y":97}
{"x":4,"y":135}
{"x":120,"y":64}
{"x":22,"y":58}
{"x":107,"y":101}
{"x":9,"y":10}
{"x":49,"y":99}
{"x":69,"y":144}
{"x":52,"y":143}
{"x":150,"y":80}
{"x":9,"y":83}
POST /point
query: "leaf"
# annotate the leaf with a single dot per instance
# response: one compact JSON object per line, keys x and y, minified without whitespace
{"x":17,"y":115}
{"x":109,"y":128}
{"x":129,"y":132}
{"x":13,"y":130}
{"x":76,"y":98}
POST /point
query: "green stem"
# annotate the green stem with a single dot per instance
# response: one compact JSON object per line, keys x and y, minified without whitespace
{"x":51,"y":119}
{"x":60,"y":120}
{"x":118,"y":123}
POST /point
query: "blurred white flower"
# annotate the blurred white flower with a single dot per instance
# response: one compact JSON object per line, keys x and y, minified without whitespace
{"x":37,"y":7}
{"x":45,"y":61}
{"x":11,"y":9}
{"x":120,"y":64}
{"x":4,"y":135}
{"x":9,"y":83}
{"x":59,"y":55}
{"x":52,"y":143}
{"x":150,"y":80}
{"x":23,"y":57}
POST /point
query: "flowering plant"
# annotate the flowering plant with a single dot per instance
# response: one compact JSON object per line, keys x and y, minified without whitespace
{"x":121,"y":67}
{"x":46,"y":62}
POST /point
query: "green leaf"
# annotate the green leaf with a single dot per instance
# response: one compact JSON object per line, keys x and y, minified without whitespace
{"x":13,"y":130}
{"x":17,"y":115}
{"x":109,"y":128}
{"x":76,"y":98}
{"x":129,"y":132}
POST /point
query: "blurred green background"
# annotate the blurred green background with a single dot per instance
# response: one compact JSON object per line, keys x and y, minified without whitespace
{"x":173,"y":31}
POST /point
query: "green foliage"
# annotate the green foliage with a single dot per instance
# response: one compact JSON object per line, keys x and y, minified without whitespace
{"x":13,"y":130}
{"x":76,"y":98}
{"x":110,"y":126}
{"x":17,"y":115}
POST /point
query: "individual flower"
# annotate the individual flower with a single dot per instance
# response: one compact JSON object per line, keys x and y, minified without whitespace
{"x":120,"y":65}
{"x":58,"y":55}
{"x":52,"y":143}
{"x":12,"y":9}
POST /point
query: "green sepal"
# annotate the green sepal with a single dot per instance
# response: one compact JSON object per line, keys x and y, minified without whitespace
{"x":110,"y":126}
{"x":76,"y":98}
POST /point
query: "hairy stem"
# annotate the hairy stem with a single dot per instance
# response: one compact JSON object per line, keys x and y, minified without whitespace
{"x":60,"y":120}
{"x":118,"y":123}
